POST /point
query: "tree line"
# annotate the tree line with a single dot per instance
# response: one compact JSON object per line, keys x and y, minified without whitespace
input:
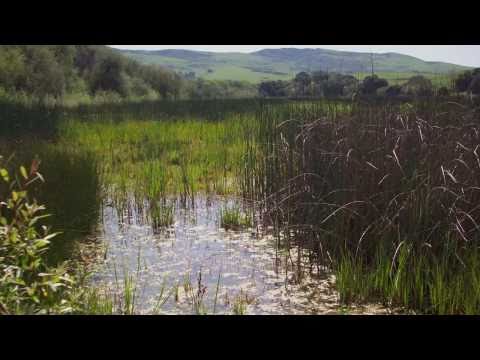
{"x":55,"y":71}
{"x":335,"y":85}
{"x":98,"y":72}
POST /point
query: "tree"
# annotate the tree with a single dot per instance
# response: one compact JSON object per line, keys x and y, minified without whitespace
{"x":418,"y":86}
{"x":372,"y":83}
{"x":44,"y":76}
{"x":393,"y":91}
{"x":474,"y":87}
{"x":333,"y":88}
{"x":272,"y":89}
{"x":463,"y":80}
{"x":302,"y":82}
{"x":108,"y":76}
{"x":443,"y":91}
{"x":12,"y":68}
{"x":319,"y":77}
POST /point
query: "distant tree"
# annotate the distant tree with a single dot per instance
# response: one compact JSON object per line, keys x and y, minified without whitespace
{"x":372,"y":83}
{"x":443,"y":91}
{"x":108,"y":76}
{"x":44,"y":76}
{"x":463,"y":80}
{"x":333,"y":88}
{"x":418,"y":86}
{"x":393,"y":91}
{"x":55,"y":70}
{"x":474,"y":87}
{"x":273,"y":89}
{"x":85,"y":59}
{"x":302,"y":83}
{"x":12,"y":68}
{"x":319,"y":77}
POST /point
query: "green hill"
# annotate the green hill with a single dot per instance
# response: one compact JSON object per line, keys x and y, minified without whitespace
{"x":283,"y":64}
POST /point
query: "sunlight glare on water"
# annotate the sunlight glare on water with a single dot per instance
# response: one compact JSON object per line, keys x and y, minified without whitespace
{"x":196,"y":246}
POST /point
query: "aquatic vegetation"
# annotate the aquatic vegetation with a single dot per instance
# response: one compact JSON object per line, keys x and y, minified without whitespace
{"x":196,"y":297}
{"x":384,"y":194}
{"x":241,"y":302}
{"x":162,"y":215}
{"x":232,"y":218}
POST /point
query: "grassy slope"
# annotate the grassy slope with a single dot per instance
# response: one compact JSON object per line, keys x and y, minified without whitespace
{"x":284,"y":64}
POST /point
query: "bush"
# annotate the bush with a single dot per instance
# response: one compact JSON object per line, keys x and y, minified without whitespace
{"x":443,"y":91}
{"x":418,"y":86}
{"x":467,"y":81}
{"x":475,"y":85}
{"x":27,"y":284}
{"x":372,"y":83}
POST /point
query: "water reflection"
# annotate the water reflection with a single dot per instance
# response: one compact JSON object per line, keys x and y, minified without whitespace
{"x":223,"y":271}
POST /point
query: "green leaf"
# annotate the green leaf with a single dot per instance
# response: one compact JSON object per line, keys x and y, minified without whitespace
{"x":4,"y":175}
{"x":23,"y":171}
{"x":48,"y":237}
{"x":41,"y":243}
{"x":35,"y":219}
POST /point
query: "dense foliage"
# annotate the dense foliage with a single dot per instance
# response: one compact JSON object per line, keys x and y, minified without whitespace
{"x":27,"y":284}
{"x":468,"y":81}
{"x":86,"y":73}
{"x":320,"y":84}
{"x":209,"y":89}
{"x":316,"y":84}
{"x":59,"y":71}
{"x":386,"y":195}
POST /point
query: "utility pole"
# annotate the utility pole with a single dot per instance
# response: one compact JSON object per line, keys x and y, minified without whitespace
{"x":372,"y":64}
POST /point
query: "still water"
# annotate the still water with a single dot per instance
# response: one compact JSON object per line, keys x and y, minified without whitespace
{"x":199,"y":267}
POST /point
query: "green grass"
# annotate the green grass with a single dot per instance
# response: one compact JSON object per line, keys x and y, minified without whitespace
{"x":288,"y":62}
{"x":231,"y":72}
{"x":162,"y":215}
{"x":156,"y":159}
{"x":232,"y":218}
{"x":393,"y":78}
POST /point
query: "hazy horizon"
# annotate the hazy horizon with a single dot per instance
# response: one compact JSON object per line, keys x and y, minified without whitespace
{"x":467,"y":55}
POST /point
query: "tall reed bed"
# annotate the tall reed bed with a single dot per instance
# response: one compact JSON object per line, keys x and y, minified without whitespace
{"x":160,"y":158}
{"x":147,"y":168}
{"x":35,"y":119}
{"x":387,"y":195}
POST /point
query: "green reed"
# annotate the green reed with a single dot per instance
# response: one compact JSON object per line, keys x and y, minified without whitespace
{"x":385,"y":194}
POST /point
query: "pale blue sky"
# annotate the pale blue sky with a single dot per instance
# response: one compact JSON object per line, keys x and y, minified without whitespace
{"x":458,"y":54}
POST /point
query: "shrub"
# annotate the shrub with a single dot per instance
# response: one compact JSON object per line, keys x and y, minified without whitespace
{"x":27,"y":284}
{"x":371,"y":84}
{"x":418,"y":86}
{"x":443,"y":91}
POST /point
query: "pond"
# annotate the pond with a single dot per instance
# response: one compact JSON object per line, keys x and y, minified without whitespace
{"x":195,"y":266}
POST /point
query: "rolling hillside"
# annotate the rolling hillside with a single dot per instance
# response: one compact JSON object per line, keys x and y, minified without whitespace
{"x":283,"y":64}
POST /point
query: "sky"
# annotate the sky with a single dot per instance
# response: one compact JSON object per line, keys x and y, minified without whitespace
{"x":468,"y":55}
